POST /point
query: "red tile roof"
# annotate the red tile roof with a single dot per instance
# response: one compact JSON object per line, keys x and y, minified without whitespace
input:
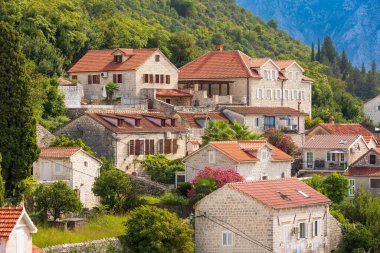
{"x":194,"y":142}
{"x":58,"y":152}
{"x":172,"y":93}
{"x":363,"y":172}
{"x":330,"y":141}
{"x":258,"y":62}
{"x":145,"y":124}
{"x":281,"y":193}
{"x":281,"y":111}
{"x":8,"y":218}
{"x":103,"y":60}
{"x":218,"y":64}
{"x":244,"y":151}
{"x":190,"y":118}
{"x":347,"y":129}
{"x":283,"y":64}
{"x":35,"y":249}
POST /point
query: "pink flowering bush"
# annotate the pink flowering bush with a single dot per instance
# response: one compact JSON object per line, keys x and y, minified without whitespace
{"x":282,"y":141}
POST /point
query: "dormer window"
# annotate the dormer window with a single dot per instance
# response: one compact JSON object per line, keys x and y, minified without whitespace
{"x":264,"y":155}
{"x":157,"y":58}
{"x":273,"y":74}
{"x":118,"y":58}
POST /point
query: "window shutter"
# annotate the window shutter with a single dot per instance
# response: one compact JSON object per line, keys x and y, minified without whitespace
{"x":151,"y":147}
{"x":257,"y":94}
{"x":161,"y":146}
{"x":89,"y":79}
{"x":167,"y":143}
{"x":147,"y":147}
{"x":114,"y":78}
{"x":168,"y":79}
{"x":157,"y":77}
{"x":137,"y":147}
{"x":175,"y":148}
{"x":131,"y":147}
{"x":146,"y":78}
{"x":151,"y":78}
{"x":162,"y":78}
{"x":120,"y":78}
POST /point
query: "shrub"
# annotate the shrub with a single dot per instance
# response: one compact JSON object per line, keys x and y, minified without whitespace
{"x":183,"y":188}
{"x":281,"y":141}
{"x":161,"y":169}
{"x":152,"y":229}
{"x":173,"y":199}
{"x":63,"y":141}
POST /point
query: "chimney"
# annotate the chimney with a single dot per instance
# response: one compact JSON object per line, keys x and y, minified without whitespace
{"x":137,"y":122}
{"x":332,"y":120}
{"x":120,"y":122}
{"x":299,"y":106}
{"x":219,"y":47}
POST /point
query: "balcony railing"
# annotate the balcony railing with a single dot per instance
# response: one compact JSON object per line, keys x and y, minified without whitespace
{"x":196,"y":132}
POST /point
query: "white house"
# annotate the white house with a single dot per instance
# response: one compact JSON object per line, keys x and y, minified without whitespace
{"x":72,"y":165}
{"x":372,"y":109}
{"x":16,"y":229}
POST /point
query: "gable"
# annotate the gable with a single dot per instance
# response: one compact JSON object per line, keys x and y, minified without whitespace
{"x":270,"y":65}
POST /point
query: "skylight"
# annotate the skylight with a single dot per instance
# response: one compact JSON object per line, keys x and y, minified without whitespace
{"x":343,"y":142}
{"x":303,"y":194}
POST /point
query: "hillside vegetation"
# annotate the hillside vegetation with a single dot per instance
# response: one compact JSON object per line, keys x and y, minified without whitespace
{"x":56,"y":33}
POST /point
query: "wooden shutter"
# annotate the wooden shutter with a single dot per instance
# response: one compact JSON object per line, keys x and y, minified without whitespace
{"x":137,"y":147}
{"x":89,"y":79}
{"x":168,"y":79}
{"x":119,"y":78}
{"x":151,"y":147}
{"x":114,"y":78}
{"x":96,"y":79}
{"x":157,"y":79}
{"x":175,"y":148}
{"x":161,"y":146}
{"x":131,"y":147}
{"x":162,"y":78}
{"x":147,"y":147}
{"x":146,"y":78}
{"x":151,"y":78}
{"x":167,"y":143}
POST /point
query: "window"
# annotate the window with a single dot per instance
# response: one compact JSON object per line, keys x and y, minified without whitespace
{"x":287,"y":232}
{"x":162,"y":78}
{"x":378,"y":107}
{"x":146,"y":78}
{"x":286,"y":94}
{"x":150,"y":78}
{"x":259,"y":93}
{"x":117,"y":78}
{"x":167,"y":79}
{"x":227,"y":238}
{"x":149,"y":147}
{"x":315,"y":227}
{"x":118,"y":58}
{"x":303,"y":97}
{"x":331,"y":157}
{"x":264,"y":177}
{"x":309,"y":159}
{"x":157,"y":57}
{"x":351,"y":190}
{"x":302,"y":230}
{"x":267,"y":74}
{"x":89,"y":79}
{"x":374,"y":183}
{"x":290,"y":75}
{"x":264,"y":155}
{"x":269,"y":94}
{"x":372,"y":159}
{"x":273,"y":76}
{"x":85,"y":164}
{"x":74,"y":77}
{"x":211,"y":156}
{"x":278,"y":94}
{"x":297,"y":75}
{"x":342,"y":157}
{"x":294,"y":94}
{"x":58,"y":169}
{"x":157,"y":78}
{"x":257,"y":122}
{"x":93,"y":79}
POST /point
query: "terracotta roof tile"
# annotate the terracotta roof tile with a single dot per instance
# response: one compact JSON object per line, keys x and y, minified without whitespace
{"x":363,"y":172}
{"x":146,"y":125}
{"x":269,"y":193}
{"x":103,"y":60}
{"x":242,"y":150}
{"x":194,"y":142}
{"x":172,"y":93}
{"x":328,"y":141}
{"x":283,"y":64}
{"x":281,"y":111}
{"x":58,"y":152}
{"x":346,"y":129}
{"x":189,"y":118}
{"x":8,"y":218}
{"x":258,"y":62}
{"x":35,"y":249}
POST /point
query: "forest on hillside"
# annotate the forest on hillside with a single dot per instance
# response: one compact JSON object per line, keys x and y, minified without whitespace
{"x":56,"y":33}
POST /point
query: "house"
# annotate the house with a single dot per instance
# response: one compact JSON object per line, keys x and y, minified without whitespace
{"x":343,"y":129}
{"x":329,"y":153}
{"x":196,"y":122}
{"x":140,"y":74}
{"x":44,"y":137}
{"x":126,"y":136}
{"x":192,"y":145}
{"x":72,"y":165}
{"x":372,"y":109}
{"x":16,"y":229}
{"x":259,"y":119}
{"x":253,"y":159}
{"x":232,"y":77}
{"x":278,"y":215}
{"x":73,"y":92}
{"x":365,"y":172}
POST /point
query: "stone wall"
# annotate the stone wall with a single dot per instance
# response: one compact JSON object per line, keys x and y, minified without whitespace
{"x":108,"y":245}
{"x":335,"y":232}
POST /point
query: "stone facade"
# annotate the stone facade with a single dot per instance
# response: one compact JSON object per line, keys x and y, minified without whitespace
{"x":44,"y":137}
{"x":97,"y":246}
{"x":249,"y":170}
{"x":73,"y":95}
{"x":79,"y":171}
{"x":249,"y":220}
{"x":372,"y":109}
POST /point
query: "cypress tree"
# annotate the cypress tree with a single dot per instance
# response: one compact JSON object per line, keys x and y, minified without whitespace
{"x":345,"y":66}
{"x":312,"y":58}
{"x":372,"y":84}
{"x":18,"y":144}
{"x":318,"y":58}
{"x":2,"y":189}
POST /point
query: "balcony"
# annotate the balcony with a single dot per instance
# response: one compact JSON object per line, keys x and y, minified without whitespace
{"x":325,"y":165}
{"x":196,"y":132}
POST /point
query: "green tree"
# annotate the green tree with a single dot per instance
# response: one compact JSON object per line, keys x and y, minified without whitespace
{"x":242,"y":132}
{"x":316,"y":182}
{"x":183,"y":48}
{"x":115,"y":190}
{"x":281,"y":141}
{"x":272,"y":23}
{"x":152,"y":229}
{"x":312,"y":57}
{"x":17,"y":123}
{"x":161,"y":169}
{"x":56,"y":199}
{"x":345,"y":66}
{"x":318,"y":57}
{"x":184,"y":8}
{"x":356,"y":239}
{"x":111,"y":88}
{"x":2,"y":189}
{"x":63,"y":141}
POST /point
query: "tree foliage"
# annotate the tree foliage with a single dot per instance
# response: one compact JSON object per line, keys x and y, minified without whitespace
{"x":161,"y":169}
{"x":281,"y":141}
{"x":17,"y":123}
{"x":56,"y":199}
{"x":152,"y":229}
{"x":2,"y":189}
{"x":111,"y":88}
{"x":63,"y":141}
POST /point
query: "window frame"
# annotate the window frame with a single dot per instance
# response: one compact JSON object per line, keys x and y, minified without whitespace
{"x":211,"y":157}
{"x":377,"y":184}
{"x":229,"y":238}
{"x":370,"y":160}
{"x":300,"y":235}
{"x":316,"y":228}
{"x":60,"y":166}
{"x":157,"y":58}
{"x":351,"y":189}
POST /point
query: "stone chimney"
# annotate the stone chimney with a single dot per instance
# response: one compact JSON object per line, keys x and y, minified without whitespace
{"x":299,"y":106}
{"x":219,"y":47}
{"x":332,"y":120}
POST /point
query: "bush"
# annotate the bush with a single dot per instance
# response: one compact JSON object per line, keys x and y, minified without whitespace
{"x":356,"y":239}
{"x":63,"y":141}
{"x":173,"y":199}
{"x":183,"y":188}
{"x":281,"y":141}
{"x":161,"y":169}
{"x":152,"y":229}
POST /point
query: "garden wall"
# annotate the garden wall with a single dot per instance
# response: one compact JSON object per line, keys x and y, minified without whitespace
{"x":108,"y":245}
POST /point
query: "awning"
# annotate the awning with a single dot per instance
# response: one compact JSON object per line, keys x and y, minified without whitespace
{"x":337,"y":151}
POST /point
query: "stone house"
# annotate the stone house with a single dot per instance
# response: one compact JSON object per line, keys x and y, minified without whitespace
{"x":343,"y":129}
{"x":278,"y":215}
{"x":71,"y":165}
{"x":232,"y":77}
{"x":126,"y":136}
{"x":332,"y":153}
{"x":372,"y":109}
{"x":16,"y":229}
{"x":259,"y":119}
{"x":365,"y":172}
{"x":139,"y":73}
{"x":72,"y":91}
{"x":44,"y":137}
{"x":253,"y":159}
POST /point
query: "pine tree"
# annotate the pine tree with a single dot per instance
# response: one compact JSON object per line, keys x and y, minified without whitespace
{"x":330,"y":57}
{"x":312,"y":58}
{"x":17,"y":124}
{"x":372,"y":84}
{"x":318,"y":58}
{"x":345,"y":66}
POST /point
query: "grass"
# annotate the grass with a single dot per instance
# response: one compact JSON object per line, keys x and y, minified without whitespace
{"x":104,"y":226}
